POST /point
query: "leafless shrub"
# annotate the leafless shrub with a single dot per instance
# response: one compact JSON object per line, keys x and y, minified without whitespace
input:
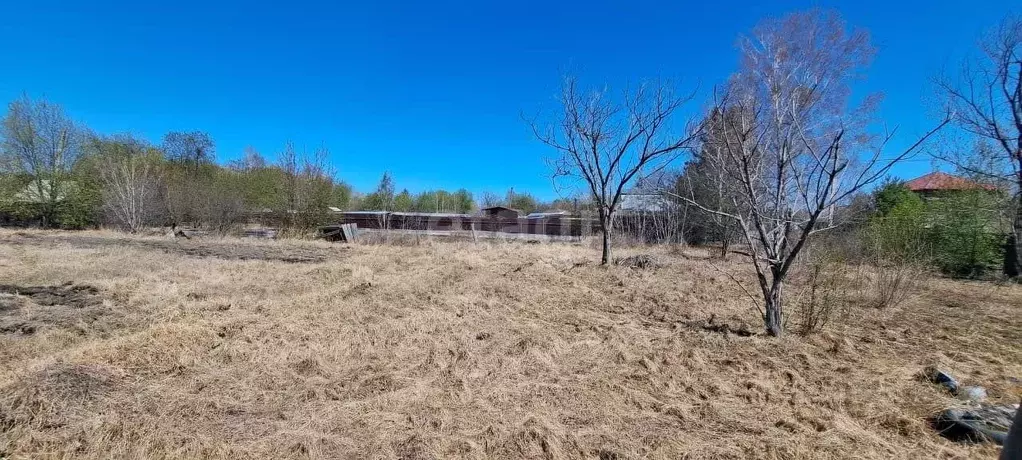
{"x":221,"y":205}
{"x":895,"y":257}
{"x":826,"y":286}
{"x":130,"y":172}
{"x":891,"y":284}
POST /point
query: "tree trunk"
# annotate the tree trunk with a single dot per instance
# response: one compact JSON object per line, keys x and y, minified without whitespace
{"x":605,"y":258}
{"x":773,"y":318}
{"x":1013,"y":253}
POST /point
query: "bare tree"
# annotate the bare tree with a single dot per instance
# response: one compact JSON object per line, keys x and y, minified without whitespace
{"x":306,"y":187}
{"x":193,"y":148}
{"x":490,"y":200}
{"x":289,"y":164}
{"x":607,"y":143}
{"x":130,"y":172}
{"x":41,"y":141}
{"x":987,"y":102}
{"x":190,"y":176}
{"x":704,"y":180}
{"x":315,"y":188}
{"x":791,"y":143}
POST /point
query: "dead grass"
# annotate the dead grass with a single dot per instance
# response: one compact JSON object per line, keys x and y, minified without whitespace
{"x":226,"y":248}
{"x":462,"y":350}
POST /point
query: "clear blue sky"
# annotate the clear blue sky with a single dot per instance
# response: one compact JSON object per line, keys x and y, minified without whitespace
{"x":431,"y":91}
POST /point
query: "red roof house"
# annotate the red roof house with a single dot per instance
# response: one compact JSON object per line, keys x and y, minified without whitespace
{"x":942,"y":182}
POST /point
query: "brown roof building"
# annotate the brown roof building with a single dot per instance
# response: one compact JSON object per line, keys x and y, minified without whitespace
{"x":500,"y":212}
{"x":943,"y":182}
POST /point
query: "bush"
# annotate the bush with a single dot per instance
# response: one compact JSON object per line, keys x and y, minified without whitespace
{"x":965,"y":239}
{"x":955,"y":232}
{"x":892,"y":284}
{"x":826,"y":284}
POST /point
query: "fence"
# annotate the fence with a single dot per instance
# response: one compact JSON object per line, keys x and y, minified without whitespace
{"x":548,"y":226}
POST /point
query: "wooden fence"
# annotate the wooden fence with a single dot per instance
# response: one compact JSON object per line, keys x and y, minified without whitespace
{"x":550,"y":226}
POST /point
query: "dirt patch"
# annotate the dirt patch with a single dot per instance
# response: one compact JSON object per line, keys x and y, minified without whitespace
{"x":641,"y":261}
{"x":56,"y":394}
{"x":731,"y":325}
{"x":24,"y":310}
{"x":229,"y":250}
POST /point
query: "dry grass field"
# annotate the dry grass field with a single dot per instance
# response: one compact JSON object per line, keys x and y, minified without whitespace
{"x":133,"y":347}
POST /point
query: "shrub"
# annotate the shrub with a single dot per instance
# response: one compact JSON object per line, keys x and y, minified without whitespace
{"x":956,"y":232}
{"x":964,"y":234}
{"x":892,"y":284}
{"x":825,"y":285}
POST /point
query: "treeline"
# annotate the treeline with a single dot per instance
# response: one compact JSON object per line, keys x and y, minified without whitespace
{"x":57,"y":173}
{"x":461,"y":201}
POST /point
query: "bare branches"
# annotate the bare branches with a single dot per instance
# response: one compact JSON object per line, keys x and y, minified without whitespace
{"x":785,"y":134}
{"x":130,"y":172}
{"x":606,"y":143}
{"x":40,"y":140}
{"x":987,"y":103}
{"x":987,"y":96}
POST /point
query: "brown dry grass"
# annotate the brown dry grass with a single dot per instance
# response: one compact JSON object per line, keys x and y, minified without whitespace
{"x":461,"y":350}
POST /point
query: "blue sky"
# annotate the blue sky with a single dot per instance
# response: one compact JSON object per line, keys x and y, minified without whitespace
{"x":431,"y":91}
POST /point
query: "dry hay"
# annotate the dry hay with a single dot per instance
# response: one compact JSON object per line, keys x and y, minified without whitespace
{"x":640,"y":261}
{"x":229,"y":249}
{"x":488,"y":350}
{"x":56,"y":395}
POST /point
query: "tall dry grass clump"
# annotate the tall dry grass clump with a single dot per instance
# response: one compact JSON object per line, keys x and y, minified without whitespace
{"x":891,"y":284}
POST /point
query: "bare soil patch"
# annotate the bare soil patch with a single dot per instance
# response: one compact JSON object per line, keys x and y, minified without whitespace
{"x":56,"y":394}
{"x":25,"y":310}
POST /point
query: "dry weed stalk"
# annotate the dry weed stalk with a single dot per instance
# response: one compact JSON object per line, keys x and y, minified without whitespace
{"x":892,"y":284}
{"x":825,"y":291}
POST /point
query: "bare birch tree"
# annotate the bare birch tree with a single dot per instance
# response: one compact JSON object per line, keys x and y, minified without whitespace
{"x":987,"y":102}
{"x":606,"y":143}
{"x":130,"y":172}
{"x":790,"y":142}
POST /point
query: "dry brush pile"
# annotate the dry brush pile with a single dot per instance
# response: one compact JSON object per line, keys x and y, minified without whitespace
{"x":460,"y":350}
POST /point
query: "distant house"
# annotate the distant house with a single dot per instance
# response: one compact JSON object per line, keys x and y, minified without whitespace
{"x":500,"y":212}
{"x":548,"y":215}
{"x":643,"y":203}
{"x":936,"y":183}
{"x":30,"y":194}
